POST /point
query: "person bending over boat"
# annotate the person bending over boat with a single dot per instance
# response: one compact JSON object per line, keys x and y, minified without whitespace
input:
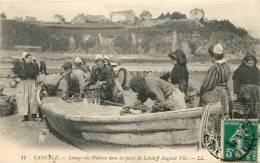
{"x":215,"y":86}
{"x":26,"y":73}
{"x":166,"y":96}
{"x":246,"y":84}
{"x":103,"y":75}
{"x":179,"y":74}
{"x":76,"y":81}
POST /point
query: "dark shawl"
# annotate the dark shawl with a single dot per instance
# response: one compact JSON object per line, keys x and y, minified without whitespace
{"x":246,"y":75}
{"x":179,"y":74}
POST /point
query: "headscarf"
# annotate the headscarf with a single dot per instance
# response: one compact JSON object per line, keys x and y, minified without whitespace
{"x":216,"y":51}
{"x":67,"y":64}
{"x":137,"y":84}
{"x":247,"y":75}
{"x":99,"y":58}
{"x":179,"y":72}
{"x":78,"y":61}
{"x":179,"y":55}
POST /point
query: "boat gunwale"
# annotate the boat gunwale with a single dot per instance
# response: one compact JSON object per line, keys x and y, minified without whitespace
{"x":179,"y":114}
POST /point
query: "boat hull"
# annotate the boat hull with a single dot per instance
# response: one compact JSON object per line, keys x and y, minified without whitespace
{"x":152,"y":129}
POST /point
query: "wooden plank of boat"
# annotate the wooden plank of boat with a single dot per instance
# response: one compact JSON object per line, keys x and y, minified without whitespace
{"x":151,"y":137}
{"x":175,"y":137}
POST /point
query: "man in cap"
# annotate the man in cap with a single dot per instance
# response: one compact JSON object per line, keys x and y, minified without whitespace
{"x":67,"y":69}
{"x":79,"y":77}
{"x":102,"y":74}
{"x":215,"y":86}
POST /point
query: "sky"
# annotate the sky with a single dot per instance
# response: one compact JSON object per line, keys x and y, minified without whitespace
{"x":243,"y":13}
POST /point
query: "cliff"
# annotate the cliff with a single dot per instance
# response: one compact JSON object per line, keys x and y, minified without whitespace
{"x":193,"y":37}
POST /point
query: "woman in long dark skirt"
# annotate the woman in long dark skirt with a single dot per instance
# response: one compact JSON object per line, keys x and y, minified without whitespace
{"x":246,"y":83}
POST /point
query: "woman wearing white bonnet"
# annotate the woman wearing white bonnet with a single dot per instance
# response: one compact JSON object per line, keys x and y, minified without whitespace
{"x":78,"y":60}
{"x":215,"y":86}
{"x":27,"y":74}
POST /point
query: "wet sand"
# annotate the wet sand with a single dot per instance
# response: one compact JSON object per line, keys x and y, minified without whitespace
{"x":26,"y":133}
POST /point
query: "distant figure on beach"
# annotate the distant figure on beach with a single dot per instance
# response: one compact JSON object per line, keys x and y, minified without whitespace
{"x":34,"y":61}
{"x":246,"y":81}
{"x":26,"y":72}
{"x":165,"y":95}
{"x":43,"y":68}
{"x":179,"y":74}
{"x":215,"y":86}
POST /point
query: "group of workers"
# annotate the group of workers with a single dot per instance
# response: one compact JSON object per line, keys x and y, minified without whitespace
{"x":81,"y":77}
{"x":216,"y":87}
{"x":168,"y":92}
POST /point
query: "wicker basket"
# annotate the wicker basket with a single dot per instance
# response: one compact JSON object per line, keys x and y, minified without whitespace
{"x":238,"y":110}
{"x":93,"y":95}
{"x":6,"y":108}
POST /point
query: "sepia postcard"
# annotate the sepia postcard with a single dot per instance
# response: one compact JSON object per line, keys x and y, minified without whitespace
{"x":120,"y":81}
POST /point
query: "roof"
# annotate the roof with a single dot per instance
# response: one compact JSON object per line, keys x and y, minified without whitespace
{"x":197,"y":9}
{"x":124,"y":12}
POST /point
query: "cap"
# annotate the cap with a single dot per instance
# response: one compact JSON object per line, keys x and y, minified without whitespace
{"x":67,"y":64}
{"x":99,"y":57}
{"x":218,"y":49}
{"x":78,"y":60}
{"x":34,"y":58}
{"x":172,"y":55}
{"x":25,"y":54}
{"x":106,"y":57}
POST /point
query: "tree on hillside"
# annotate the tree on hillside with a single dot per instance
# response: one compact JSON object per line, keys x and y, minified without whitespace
{"x":224,"y":25}
{"x":161,"y":16}
{"x":178,"y":15}
{"x":3,"y":16}
{"x":145,"y":15}
{"x":168,"y":15}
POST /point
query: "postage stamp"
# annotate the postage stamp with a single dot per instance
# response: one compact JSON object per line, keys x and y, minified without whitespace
{"x":239,"y":140}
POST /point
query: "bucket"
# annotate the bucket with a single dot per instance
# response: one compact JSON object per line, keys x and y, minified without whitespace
{"x":42,"y":135}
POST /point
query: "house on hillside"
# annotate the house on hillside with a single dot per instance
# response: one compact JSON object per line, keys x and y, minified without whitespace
{"x":58,"y":19}
{"x":79,"y":19}
{"x":30,"y":19}
{"x":197,"y":14}
{"x":96,"y":18}
{"x":123,"y":16}
{"x":18,"y":18}
{"x":3,"y":16}
{"x":82,"y":18}
{"x":145,"y":15}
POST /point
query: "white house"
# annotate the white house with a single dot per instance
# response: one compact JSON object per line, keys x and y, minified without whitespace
{"x":123,"y":16}
{"x":197,"y":14}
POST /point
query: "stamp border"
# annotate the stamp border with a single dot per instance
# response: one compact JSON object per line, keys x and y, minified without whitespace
{"x":222,"y":137}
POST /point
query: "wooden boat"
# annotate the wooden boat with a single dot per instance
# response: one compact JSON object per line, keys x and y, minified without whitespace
{"x":80,"y":124}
